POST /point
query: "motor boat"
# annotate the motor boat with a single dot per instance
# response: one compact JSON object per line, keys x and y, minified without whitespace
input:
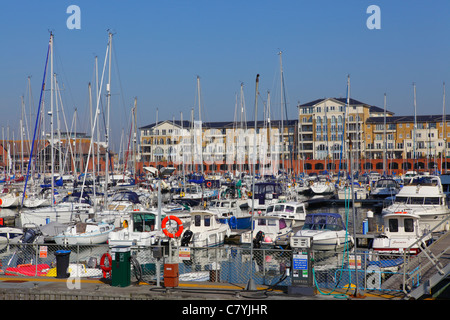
{"x":205,"y":230}
{"x":268,"y":232}
{"x":138,"y":230}
{"x":265,"y":193}
{"x":293,"y":212}
{"x":384,"y":188}
{"x":232,"y":211}
{"x":85,"y":233}
{"x":401,"y":231}
{"x":326,"y":232}
{"x":424,"y":196}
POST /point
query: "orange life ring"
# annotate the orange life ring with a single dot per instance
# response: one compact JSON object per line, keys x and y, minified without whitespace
{"x":1,"y":201}
{"x":102,"y":264}
{"x":180,"y":227}
{"x":209,"y":184}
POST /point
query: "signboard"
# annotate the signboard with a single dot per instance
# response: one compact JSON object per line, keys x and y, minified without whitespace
{"x":184,"y":253}
{"x":43,"y":252}
{"x":352,"y":261}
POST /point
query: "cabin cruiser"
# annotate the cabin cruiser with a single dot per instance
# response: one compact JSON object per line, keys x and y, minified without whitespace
{"x":265,"y":193}
{"x":232,"y":211}
{"x":205,"y":230}
{"x":384,"y":188}
{"x":401,"y":231}
{"x":137,"y":230}
{"x":294,"y":212}
{"x":325,"y":230}
{"x":268,"y":232}
{"x":424,"y":196}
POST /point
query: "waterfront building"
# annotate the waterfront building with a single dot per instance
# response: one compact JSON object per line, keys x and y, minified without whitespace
{"x":318,"y":140}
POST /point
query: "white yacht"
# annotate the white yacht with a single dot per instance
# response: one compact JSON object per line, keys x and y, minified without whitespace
{"x":290,"y":211}
{"x":423,"y":196}
{"x":268,"y":232}
{"x":72,"y":207}
{"x":401,"y":231}
{"x":384,"y":188}
{"x":326,"y":231}
{"x":205,"y":230}
{"x":138,"y":230}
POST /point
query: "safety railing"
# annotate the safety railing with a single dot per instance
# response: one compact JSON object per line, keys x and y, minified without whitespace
{"x":271,"y":267}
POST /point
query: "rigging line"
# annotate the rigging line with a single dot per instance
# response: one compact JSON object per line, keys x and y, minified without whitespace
{"x":37,"y":118}
{"x":119,"y":79}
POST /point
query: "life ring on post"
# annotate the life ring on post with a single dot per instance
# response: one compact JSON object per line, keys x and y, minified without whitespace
{"x":106,"y":269}
{"x":180,"y":226}
{"x":209,"y":184}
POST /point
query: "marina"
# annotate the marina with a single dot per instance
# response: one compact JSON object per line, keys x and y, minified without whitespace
{"x":327,"y":198}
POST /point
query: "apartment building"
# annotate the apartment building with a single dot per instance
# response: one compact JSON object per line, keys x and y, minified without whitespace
{"x":219,"y":145}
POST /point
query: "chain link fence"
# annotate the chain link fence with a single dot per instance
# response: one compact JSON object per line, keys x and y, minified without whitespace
{"x":269,"y":267}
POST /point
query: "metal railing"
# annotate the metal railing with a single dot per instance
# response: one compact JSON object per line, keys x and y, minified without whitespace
{"x":270,"y":267}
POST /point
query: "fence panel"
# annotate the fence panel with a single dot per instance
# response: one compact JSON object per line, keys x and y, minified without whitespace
{"x":332,"y":270}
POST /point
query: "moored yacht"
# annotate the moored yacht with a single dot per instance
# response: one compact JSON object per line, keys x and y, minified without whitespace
{"x":423,"y":196}
{"x":401,"y":231}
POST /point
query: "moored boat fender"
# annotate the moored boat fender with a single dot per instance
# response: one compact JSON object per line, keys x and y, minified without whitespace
{"x":180,"y":226}
{"x":186,"y":238}
{"x":258,"y":239}
{"x":232,"y":222}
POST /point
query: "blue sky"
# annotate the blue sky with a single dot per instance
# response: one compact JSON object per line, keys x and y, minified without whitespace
{"x":161,"y":46}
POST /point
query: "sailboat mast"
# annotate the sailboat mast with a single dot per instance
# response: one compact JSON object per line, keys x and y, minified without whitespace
{"x":108,"y":96}
{"x":282,"y":105}
{"x":51,"y":120}
{"x":384,"y":138}
{"x":415,"y":128}
{"x":201,"y":126}
{"x":444,"y":128}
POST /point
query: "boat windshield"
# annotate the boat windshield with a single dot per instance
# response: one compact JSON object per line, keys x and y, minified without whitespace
{"x":424,"y":181}
{"x":269,"y":209}
{"x":143,"y":222}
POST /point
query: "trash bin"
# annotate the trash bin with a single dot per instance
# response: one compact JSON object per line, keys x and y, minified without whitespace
{"x":62,"y":263}
{"x":171,"y":275}
{"x":121,"y":266}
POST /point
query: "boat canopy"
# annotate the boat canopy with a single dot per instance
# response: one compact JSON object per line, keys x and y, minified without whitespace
{"x":323,"y":221}
{"x":126,"y":196}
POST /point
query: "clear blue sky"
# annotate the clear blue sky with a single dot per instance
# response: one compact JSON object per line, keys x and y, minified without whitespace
{"x":161,"y":47}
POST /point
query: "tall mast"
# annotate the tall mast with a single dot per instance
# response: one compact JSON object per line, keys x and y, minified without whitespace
{"x":444,"y":133}
{"x":415,"y":127}
{"x":108,"y":96}
{"x":384,"y":137}
{"x":282,"y":104}
{"x":51,"y":119}
{"x":201,"y":128}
